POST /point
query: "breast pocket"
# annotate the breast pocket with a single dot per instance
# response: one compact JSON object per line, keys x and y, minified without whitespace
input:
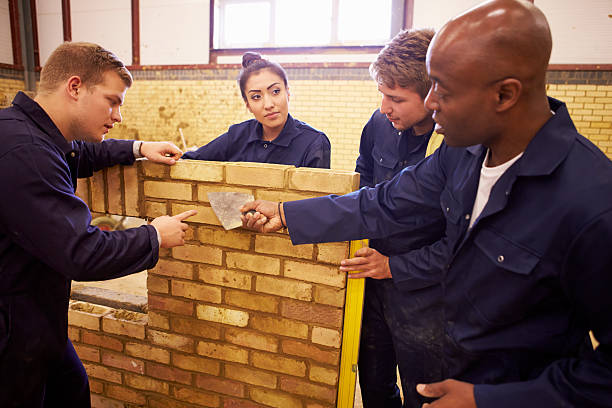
{"x":502,"y":285}
{"x":385,"y":165}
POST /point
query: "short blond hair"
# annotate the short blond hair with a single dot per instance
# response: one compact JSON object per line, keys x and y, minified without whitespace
{"x":402,"y":61}
{"x":88,"y":61}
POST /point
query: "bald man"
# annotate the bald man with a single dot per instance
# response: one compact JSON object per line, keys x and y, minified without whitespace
{"x":528,"y":208}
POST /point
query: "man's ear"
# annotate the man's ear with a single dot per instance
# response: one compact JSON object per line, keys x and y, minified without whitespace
{"x":74,"y":86}
{"x":508,"y":92}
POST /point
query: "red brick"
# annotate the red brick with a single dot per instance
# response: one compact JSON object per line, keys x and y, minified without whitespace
{"x":87,"y":353}
{"x":155,"y":401}
{"x":125,"y":394}
{"x":308,"y":389}
{"x":101,"y":340}
{"x":95,"y":386}
{"x":103,"y":373}
{"x":74,"y":334}
{"x":98,"y":401}
{"x":171,"y":305}
{"x":308,"y":350}
{"x":313,"y":313}
{"x":276,"y":399}
{"x":220,"y":385}
{"x":121,"y":361}
{"x":232,"y":403}
{"x":168,"y":373}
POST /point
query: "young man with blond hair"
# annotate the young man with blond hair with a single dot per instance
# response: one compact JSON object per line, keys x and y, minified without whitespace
{"x":400,"y":327}
{"x":46,"y":239}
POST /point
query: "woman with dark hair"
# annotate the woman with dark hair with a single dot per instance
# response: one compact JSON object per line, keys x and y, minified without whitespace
{"x":273,"y":136}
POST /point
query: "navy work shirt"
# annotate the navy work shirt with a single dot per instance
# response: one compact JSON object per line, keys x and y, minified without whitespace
{"x":297,"y":144}
{"x":46,"y":240}
{"x":525,"y":284}
{"x":383,"y":152}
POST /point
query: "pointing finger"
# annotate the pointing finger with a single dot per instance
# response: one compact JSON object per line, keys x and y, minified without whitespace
{"x":184,"y":215}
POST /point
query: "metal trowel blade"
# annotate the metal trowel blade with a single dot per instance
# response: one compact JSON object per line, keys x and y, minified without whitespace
{"x":226,"y":206}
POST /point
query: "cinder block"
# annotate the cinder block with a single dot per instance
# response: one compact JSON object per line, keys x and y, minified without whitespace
{"x":323,"y":375}
{"x":170,"y":190}
{"x":196,"y":291}
{"x":256,"y":174}
{"x":251,"y":339}
{"x":311,"y":351}
{"x":220,"y":385}
{"x":312,"y":313}
{"x":254,"y":263}
{"x":113,"y":188}
{"x":163,"y":372}
{"x":146,"y":383}
{"x":326,"y":337}
{"x":284,"y":287}
{"x":196,"y":328}
{"x":170,"y":340}
{"x":250,"y":376}
{"x":323,"y":180}
{"x":329,"y":296}
{"x":103,"y":373}
{"x":280,"y":364}
{"x":222,"y":351}
{"x":204,"y":189}
{"x":232,"y":239}
{"x":278,"y":325}
{"x":198,"y":364}
{"x":122,"y":362}
{"x":147,"y":352}
{"x":326,"y":275}
{"x":274,"y":398}
{"x":174,"y":269}
{"x":225,"y":278}
{"x":169,"y":304}
{"x":222,"y":315}
{"x":195,"y":397}
{"x":250,"y":300}
{"x":281,"y":245}
{"x":197,"y":170}
{"x":125,"y":323}
{"x":198,"y":253}
{"x":308,"y":389}
{"x":205,"y":215}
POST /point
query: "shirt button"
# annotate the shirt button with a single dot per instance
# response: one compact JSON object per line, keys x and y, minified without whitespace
{"x":72,"y":154}
{"x":380,"y":160}
{"x":467,"y":216}
{"x":265,"y":145}
{"x":447,"y":209}
{"x":500,"y":259}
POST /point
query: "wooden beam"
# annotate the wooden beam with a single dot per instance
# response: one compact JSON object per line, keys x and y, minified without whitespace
{"x":15,"y":36}
{"x":135,"y":32}
{"x":66,"y":20}
{"x":35,"y":46}
{"x":408,"y":14}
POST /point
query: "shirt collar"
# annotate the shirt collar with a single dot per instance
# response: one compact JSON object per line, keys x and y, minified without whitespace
{"x":38,"y":115}
{"x":285,"y":137}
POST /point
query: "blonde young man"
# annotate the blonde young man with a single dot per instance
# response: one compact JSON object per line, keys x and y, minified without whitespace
{"x":46,"y":239}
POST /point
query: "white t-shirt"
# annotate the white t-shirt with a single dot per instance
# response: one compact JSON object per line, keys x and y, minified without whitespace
{"x":488,"y":178}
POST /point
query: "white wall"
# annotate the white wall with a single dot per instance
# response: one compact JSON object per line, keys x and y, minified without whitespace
{"x":107,"y":23}
{"x":6,"y":42}
{"x":50,"y":27}
{"x":174,"y":32}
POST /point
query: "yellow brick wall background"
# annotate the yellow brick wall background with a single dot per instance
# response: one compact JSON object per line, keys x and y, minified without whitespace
{"x":235,"y":319}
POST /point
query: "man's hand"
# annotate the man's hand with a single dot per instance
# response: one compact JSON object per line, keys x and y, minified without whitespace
{"x":266,"y":217}
{"x":450,"y":394}
{"x":370,"y":262}
{"x":172,"y":229}
{"x":161,"y":152}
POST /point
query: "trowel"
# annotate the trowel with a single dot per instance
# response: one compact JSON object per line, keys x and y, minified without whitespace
{"x":226,"y":206}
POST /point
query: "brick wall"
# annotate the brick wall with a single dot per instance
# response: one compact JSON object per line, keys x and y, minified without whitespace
{"x":235,"y":318}
{"x":11,"y":81}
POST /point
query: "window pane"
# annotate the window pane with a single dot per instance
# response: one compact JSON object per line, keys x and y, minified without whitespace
{"x":303,"y":23}
{"x":246,"y":25}
{"x":362,"y":22}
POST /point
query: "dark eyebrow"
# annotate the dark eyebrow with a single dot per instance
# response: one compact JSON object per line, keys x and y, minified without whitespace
{"x":276,"y":83}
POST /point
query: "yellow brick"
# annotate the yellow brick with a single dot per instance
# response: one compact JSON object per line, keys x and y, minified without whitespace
{"x":97,"y":192}
{"x":103,"y":373}
{"x":146,"y":383}
{"x":156,"y":170}
{"x":323,"y":180}
{"x":279,"y":195}
{"x":256,"y":174}
{"x":124,"y":323}
{"x":326,"y":337}
{"x":173,"y":269}
{"x":157,"y":284}
{"x":280,"y":364}
{"x":204,"y":189}
{"x":327,"y":275}
{"x":223,"y":352}
{"x":329,"y":296}
{"x":222,"y":315}
{"x":196,"y":397}
{"x":333,"y":252}
{"x":279,"y":245}
{"x":190,"y":290}
{"x":250,"y":376}
{"x":224,"y":277}
{"x":323,"y":375}
{"x":284,"y":287}
{"x":194,"y":327}
{"x":249,"y":300}
{"x":193,"y":363}
{"x":197,"y":170}
{"x":87,"y":315}
{"x":274,"y":398}
{"x":82,"y":190}
{"x":154,"y":209}
{"x":158,"y":320}
{"x":171,"y":190}
{"x":239,"y":239}
{"x":113,"y":187}
{"x":575,"y":93}
{"x":251,"y":339}
{"x":198,"y":253}
{"x":604,"y":125}
{"x":254,"y":263}
{"x":277,"y":325}
{"x":132,"y":197}
{"x":205,"y":215}
{"x":594,"y":105}
{"x":147,"y":352}
{"x":308,"y":389}
{"x":170,"y":340}
{"x":566,"y":86}
{"x":583,"y":87}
